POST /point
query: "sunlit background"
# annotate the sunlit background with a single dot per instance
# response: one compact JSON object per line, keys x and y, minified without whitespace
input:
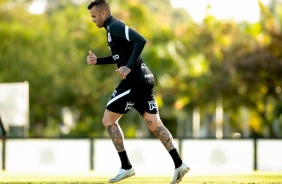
{"x":238,"y":10}
{"x":186,"y":17}
{"x":217,"y":66}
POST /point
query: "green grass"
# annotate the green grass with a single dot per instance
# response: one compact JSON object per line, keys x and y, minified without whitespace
{"x":92,"y":178}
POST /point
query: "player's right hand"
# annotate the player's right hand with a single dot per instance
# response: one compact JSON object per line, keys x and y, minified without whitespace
{"x":91,"y":58}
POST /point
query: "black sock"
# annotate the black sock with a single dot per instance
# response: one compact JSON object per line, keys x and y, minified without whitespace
{"x":176,"y":158}
{"x":125,"y":163}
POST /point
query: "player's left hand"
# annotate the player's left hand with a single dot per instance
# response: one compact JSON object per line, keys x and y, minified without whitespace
{"x":123,"y":71}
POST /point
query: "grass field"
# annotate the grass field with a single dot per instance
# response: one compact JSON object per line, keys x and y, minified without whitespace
{"x":92,"y":178}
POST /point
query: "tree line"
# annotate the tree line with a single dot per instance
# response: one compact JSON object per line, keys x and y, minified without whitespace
{"x":196,"y":66}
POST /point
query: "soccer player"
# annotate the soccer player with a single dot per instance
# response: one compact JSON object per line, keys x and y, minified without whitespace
{"x":136,"y":88}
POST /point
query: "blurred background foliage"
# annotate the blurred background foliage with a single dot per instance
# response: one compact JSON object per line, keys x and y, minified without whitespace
{"x":237,"y":66}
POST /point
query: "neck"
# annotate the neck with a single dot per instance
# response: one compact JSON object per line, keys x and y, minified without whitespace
{"x":107,"y":17}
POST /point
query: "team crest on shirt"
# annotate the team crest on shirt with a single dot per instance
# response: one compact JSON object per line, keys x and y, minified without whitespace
{"x":129,"y":105}
{"x":152,"y":105}
{"x":143,"y":66}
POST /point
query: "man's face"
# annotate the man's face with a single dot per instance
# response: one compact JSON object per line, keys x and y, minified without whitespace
{"x":97,"y":16}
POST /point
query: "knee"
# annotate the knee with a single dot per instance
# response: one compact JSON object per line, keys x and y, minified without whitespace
{"x":106,"y":122}
{"x":152,"y":121}
{"x":153,"y":125}
{"x":110,"y":118}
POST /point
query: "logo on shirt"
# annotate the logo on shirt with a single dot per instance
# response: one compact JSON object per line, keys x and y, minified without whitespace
{"x":114,"y":93}
{"x":109,"y":37}
{"x":129,"y":105}
{"x":152,"y":105}
{"x":115,"y":57}
{"x":149,"y":76}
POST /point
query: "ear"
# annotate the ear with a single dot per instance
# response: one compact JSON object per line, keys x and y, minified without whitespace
{"x":104,"y":14}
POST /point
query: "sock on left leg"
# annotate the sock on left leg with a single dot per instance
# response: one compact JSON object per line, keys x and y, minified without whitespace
{"x":125,"y":163}
{"x":175,"y":157}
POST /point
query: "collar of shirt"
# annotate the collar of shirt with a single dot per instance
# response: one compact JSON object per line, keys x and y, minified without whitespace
{"x":108,"y":21}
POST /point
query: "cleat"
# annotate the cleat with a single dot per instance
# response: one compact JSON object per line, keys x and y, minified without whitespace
{"x":122,"y":174}
{"x":179,"y":173}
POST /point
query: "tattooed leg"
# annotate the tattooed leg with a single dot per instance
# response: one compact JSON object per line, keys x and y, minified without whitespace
{"x":155,"y":124}
{"x":162,"y":133}
{"x":166,"y":138}
{"x":117,"y":136}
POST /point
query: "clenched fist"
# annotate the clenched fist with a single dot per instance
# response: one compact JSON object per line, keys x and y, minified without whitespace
{"x":91,"y":58}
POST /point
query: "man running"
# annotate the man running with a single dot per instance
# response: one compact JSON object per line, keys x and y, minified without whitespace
{"x":136,"y":88}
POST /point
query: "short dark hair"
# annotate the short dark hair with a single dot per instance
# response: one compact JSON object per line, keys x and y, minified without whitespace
{"x":98,"y":3}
